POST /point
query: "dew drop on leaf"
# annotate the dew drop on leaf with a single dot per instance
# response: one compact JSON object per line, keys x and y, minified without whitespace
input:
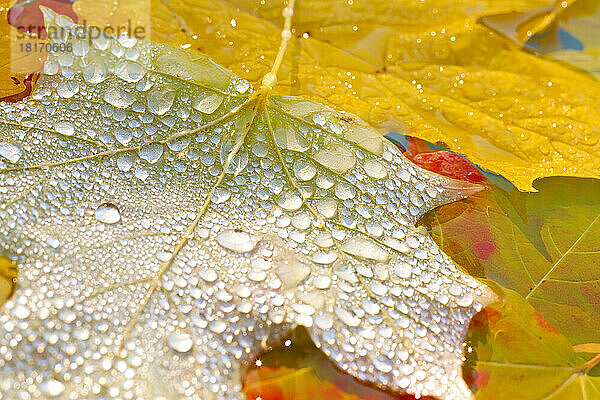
{"x":151,"y":152}
{"x":465,"y":300}
{"x":220,"y":195}
{"x":292,"y":272}
{"x":123,"y":136}
{"x":290,"y":201}
{"x":67,"y":89}
{"x":118,"y":97}
{"x":95,"y":73}
{"x":53,"y":242}
{"x":365,"y":248}
{"x":327,"y":207}
{"x":324,"y":257}
{"x":337,"y":158}
{"x":324,"y":240}
{"x":180,"y":342}
{"x":129,"y":71}
{"x":238,"y":241}
{"x":218,"y":326}
{"x":324,"y":320}
{"x":125,"y":162}
{"x":208,"y":104}
{"x":375,"y":169}
{"x":65,"y":127}
{"x":160,"y":101}
{"x":52,"y":388}
{"x":11,"y":152}
{"x":304,"y":170}
{"x":107,"y":213}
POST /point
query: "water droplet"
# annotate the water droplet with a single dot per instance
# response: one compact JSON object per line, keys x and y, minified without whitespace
{"x":465,"y":300}
{"x":65,"y":127}
{"x":208,"y":104}
{"x":319,"y":119}
{"x":290,"y":201}
{"x":127,"y":41}
{"x":52,"y":388}
{"x":322,"y":282}
{"x":287,"y":137}
{"x":301,"y":221}
{"x":81,"y":47}
{"x":218,"y":326}
{"x":118,"y":97}
{"x":321,"y":257}
{"x":50,"y":68}
{"x":324,"y":240}
{"x":327,"y":207}
{"x":344,"y":191}
{"x":403,"y":270}
{"x":375,"y":169}
{"x":160,"y":101}
{"x":347,"y":317}
{"x":336,"y":158}
{"x":412,"y":241}
{"x":324,"y":182}
{"x":241,"y":86}
{"x":21,"y":312}
{"x":67,"y":89}
{"x":324,"y":321}
{"x":11,"y":152}
{"x":455,"y":289}
{"x":95,"y":73}
{"x":238,"y":241}
{"x":53,"y":242}
{"x":239,"y":161}
{"x":292,"y":272}
{"x":208,"y":274}
{"x":365,"y":248}
{"x":67,"y":316}
{"x":125,"y":162}
{"x":220,"y":195}
{"x":100,"y":38}
{"x":151,"y":152}
{"x":124,"y":136}
{"x":259,"y":149}
{"x":107,"y":213}
{"x":129,"y":71}
{"x":370,"y":307}
{"x":304,"y":170}
{"x":178,"y":144}
{"x":382,"y":363}
{"x":180,"y":342}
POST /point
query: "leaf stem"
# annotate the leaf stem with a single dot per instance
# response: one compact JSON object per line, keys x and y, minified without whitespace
{"x":587,"y":367}
{"x":270,"y":79}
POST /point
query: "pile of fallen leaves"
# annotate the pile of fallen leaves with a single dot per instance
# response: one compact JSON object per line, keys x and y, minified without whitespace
{"x":487,"y":80}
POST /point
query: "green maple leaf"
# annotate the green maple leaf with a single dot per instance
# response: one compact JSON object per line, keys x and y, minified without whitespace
{"x":169,"y":221}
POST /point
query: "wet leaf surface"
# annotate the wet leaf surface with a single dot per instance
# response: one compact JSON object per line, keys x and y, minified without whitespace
{"x":169,"y":220}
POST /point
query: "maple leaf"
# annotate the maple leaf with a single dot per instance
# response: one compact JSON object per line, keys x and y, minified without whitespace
{"x":424,"y":68}
{"x":168,"y":221}
{"x":514,"y":353}
{"x":543,"y":245}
